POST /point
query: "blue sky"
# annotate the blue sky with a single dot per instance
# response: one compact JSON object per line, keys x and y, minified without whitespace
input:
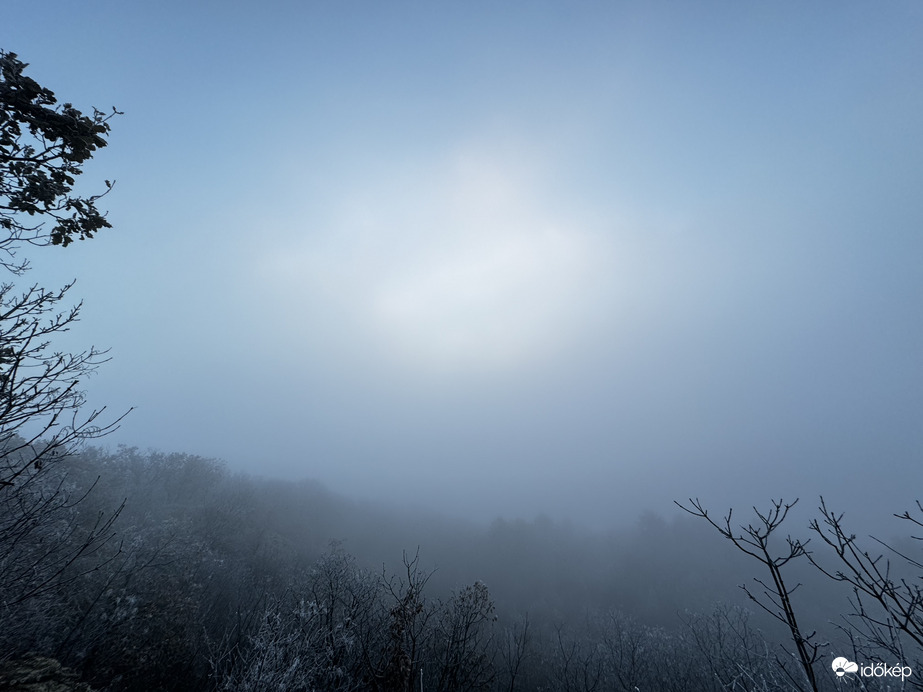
{"x":578,"y":258}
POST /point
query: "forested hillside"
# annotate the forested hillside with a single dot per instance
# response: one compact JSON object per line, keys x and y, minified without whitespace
{"x":166,"y":571}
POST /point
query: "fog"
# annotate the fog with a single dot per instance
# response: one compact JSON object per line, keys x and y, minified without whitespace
{"x":428,"y":322}
{"x":503,"y":262}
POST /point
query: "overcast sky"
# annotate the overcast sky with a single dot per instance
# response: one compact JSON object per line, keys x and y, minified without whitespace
{"x":504,"y":258}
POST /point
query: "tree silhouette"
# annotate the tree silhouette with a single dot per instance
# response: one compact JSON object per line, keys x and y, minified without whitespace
{"x":43,"y":147}
{"x":754,"y":539}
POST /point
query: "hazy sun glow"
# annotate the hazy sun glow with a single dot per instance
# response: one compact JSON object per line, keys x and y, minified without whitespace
{"x":464,"y":268}
{"x":499,"y":297}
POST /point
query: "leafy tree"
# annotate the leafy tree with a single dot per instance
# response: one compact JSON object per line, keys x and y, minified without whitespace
{"x":43,"y":147}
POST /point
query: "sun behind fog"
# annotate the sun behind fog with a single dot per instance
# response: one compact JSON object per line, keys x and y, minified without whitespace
{"x":459,"y":269}
{"x":495,"y":296}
